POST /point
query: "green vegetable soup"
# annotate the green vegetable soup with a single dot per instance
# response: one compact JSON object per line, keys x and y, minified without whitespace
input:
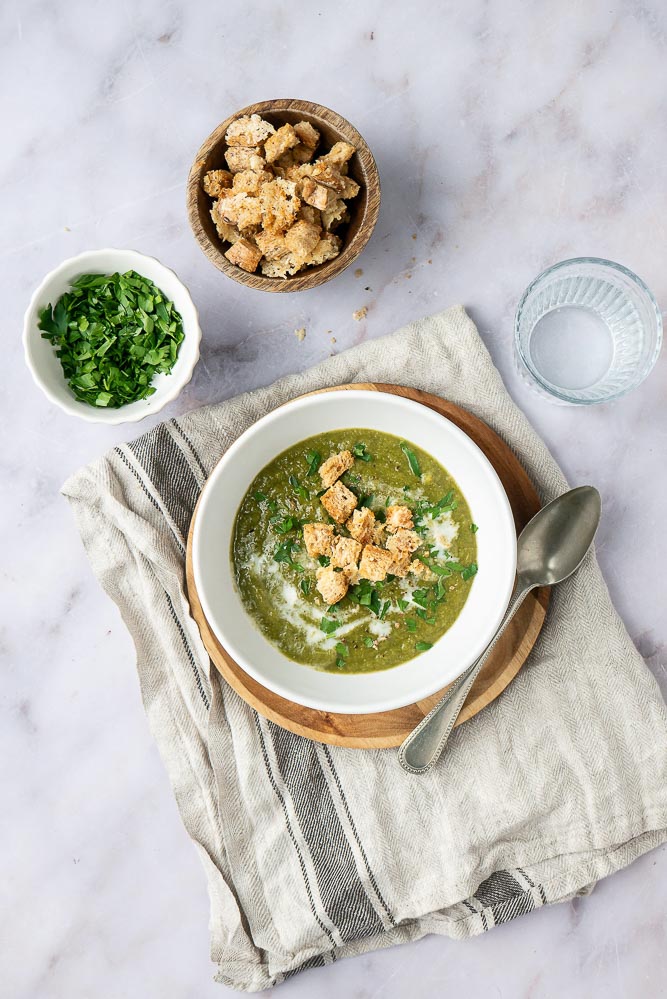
{"x":378,"y":622}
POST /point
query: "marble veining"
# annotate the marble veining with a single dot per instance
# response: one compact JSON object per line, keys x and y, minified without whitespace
{"x":508,"y":136}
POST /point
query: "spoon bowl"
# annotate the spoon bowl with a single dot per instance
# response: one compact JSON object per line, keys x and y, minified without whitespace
{"x":554,"y":543}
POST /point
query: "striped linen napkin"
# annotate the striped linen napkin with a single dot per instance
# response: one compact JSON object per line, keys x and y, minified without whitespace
{"x":314,"y":852}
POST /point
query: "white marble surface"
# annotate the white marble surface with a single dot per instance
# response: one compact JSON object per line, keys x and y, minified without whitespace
{"x":509,"y":135}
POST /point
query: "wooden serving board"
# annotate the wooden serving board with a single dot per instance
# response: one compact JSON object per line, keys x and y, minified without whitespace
{"x":389,"y":728}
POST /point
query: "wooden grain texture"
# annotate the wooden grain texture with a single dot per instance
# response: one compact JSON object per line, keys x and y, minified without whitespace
{"x":364,"y":208}
{"x":389,"y":728}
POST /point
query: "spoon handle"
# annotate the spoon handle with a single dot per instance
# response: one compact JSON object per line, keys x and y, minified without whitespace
{"x":422,"y":748}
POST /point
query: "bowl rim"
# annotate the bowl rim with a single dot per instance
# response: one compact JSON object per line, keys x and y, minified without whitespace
{"x":115,"y":416}
{"x":558,"y":392}
{"x":388,"y":703}
{"x":311,"y":277}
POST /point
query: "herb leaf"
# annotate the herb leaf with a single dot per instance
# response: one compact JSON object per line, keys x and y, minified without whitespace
{"x":469,"y":571}
{"x":474,"y":528}
{"x":423,"y":646}
{"x":359,"y":451}
{"x":412,"y":458}
{"x":328,"y":625}
{"x":300,"y":491}
{"x":314,"y":459}
{"x":305,"y":587}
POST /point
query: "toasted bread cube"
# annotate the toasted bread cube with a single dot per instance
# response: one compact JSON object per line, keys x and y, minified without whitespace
{"x":280,"y":204}
{"x":379,"y":534}
{"x":216,"y":181}
{"x":401,"y":564}
{"x":399,"y":517}
{"x":245,"y":254}
{"x":316,"y":195}
{"x":310,"y":214}
{"x":249,"y":130}
{"x":302,"y":238}
{"x":282,"y":267}
{"x":240,"y":210}
{"x":331,"y":585}
{"x":278,"y":143}
{"x":318,"y":539}
{"x":244,"y":158}
{"x":308,"y":135}
{"x":403,"y":541}
{"x":361,"y":525}
{"x":226,"y":231}
{"x":345,"y":554}
{"x":327,"y":248}
{"x":335,"y":466}
{"x":339,"y":502}
{"x":339,"y":153}
{"x":271,"y":243}
{"x":250,"y":181}
{"x":375,"y":563}
{"x":323,"y":173}
{"x":334,"y":214}
{"x":421,"y":571}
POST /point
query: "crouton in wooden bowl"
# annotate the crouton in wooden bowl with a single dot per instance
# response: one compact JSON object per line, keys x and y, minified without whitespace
{"x":283,"y":195}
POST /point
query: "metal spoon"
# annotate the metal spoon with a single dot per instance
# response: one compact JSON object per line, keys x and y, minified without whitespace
{"x":550,"y":548}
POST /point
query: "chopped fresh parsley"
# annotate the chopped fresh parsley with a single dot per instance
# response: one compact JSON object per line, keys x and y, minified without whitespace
{"x":469,"y":571}
{"x":113,"y":333}
{"x":314,"y":459}
{"x":300,"y":490}
{"x":474,"y":528}
{"x":259,"y":496}
{"x":423,"y":646}
{"x":342,"y":649}
{"x":328,"y":626}
{"x":323,"y":560}
{"x":412,"y":458}
{"x":360,"y":451}
{"x":305,"y":587}
{"x":284,"y":553}
{"x":410,"y":624}
{"x":368,"y":642}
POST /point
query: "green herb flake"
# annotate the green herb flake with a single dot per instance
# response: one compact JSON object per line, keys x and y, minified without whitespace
{"x":360,"y":451}
{"x":314,"y":459}
{"x":300,"y":490}
{"x":342,"y":649}
{"x":403,"y":605}
{"x":328,"y":626}
{"x":474,"y":528}
{"x":410,"y":624}
{"x":423,"y":646}
{"x":323,"y":560}
{"x":305,"y":587}
{"x":285,"y":552}
{"x":412,"y":458}
{"x":368,"y":642}
{"x":113,"y":333}
{"x":469,"y":571}
{"x":259,"y":496}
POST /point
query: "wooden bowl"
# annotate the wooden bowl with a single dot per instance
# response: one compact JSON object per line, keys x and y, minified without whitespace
{"x":363,"y":209}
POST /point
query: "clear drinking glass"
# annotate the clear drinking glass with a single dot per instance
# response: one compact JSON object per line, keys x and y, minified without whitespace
{"x":587,"y":330}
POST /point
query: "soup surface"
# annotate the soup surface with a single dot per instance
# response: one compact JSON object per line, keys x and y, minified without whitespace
{"x":419,"y":518}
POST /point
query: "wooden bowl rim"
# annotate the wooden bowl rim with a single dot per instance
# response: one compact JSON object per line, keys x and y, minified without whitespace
{"x":314,"y":277}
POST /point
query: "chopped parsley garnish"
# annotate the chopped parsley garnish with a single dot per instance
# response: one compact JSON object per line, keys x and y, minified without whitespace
{"x":474,"y":528}
{"x":328,"y":626}
{"x":112,"y":334}
{"x":314,"y":459}
{"x":403,"y":604}
{"x":305,"y":587}
{"x":323,"y":560}
{"x":366,"y":500}
{"x":412,"y":458}
{"x":259,"y":496}
{"x":423,"y":646}
{"x":284,"y":553}
{"x":410,"y":624}
{"x":368,"y":642}
{"x":342,"y":649}
{"x":285,"y":524}
{"x":360,"y":451}
{"x":300,"y":491}
{"x":469,"y":571}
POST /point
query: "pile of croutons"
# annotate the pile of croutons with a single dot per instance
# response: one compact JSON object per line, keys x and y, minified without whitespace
{"x":277,"y":205}
{"x":368,"y":553}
